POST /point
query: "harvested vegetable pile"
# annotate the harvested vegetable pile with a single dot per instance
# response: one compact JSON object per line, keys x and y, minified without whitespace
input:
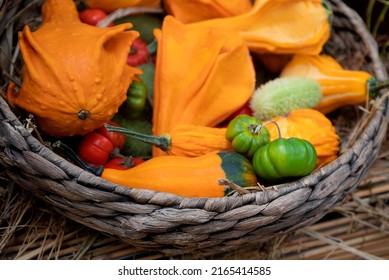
{"x":152,"y":94}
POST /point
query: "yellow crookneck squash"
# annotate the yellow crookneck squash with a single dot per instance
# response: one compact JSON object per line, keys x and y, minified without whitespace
{"x":75,"y":75}
{"x":340,"y":87}
{"x":197,"y":10}
{"x":310,"y":125}
{"x":280,"y":26}
{"x":202,"y":76}
{"x":112,"y":5}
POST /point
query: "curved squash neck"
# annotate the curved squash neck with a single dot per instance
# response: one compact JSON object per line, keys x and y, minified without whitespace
{"x":59,"y":11}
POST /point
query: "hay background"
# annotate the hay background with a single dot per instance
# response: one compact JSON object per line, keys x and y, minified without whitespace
{"x":357,"y":229}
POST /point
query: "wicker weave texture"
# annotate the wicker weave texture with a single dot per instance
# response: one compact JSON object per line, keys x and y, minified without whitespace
{"x":176,"y":225}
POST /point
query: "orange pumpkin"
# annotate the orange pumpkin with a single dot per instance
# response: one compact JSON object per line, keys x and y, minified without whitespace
{"x":310,"y":125}
{"x":75,"y":75}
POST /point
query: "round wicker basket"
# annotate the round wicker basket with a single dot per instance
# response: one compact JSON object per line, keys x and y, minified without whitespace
{"x":175,"y":225}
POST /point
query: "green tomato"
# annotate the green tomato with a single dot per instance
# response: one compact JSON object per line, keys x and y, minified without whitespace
{"x":284,"y":158}
{"x":247,"y":134}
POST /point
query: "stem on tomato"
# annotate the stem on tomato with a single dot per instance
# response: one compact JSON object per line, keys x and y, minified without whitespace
{"x":162,"y":142}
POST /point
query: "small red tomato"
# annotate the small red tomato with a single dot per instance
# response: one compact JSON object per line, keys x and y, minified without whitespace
{"x":123,"y":163}
{"x":92,"y":16}
{"x":117,"y":139}
{"x":95,"y":149}
{"x":139,"y":53}
{"x":138,"y":160}
{"x":97,"y":146}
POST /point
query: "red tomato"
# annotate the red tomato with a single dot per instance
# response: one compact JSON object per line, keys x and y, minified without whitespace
{"x":96,"y":147}
{"x":123,"y":163}
{"x":117,"y":139}
{"x":92,"y":16}
{"x":139,"y":53}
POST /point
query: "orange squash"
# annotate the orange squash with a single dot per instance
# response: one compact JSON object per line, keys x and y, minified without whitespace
{"x":197,"y":10}
{"x":112,"y":5}
{"x":280,"y":26}
{"x":202,"y":76}
{"x":69,"y":82}
{"x":185,"y":140}
{"x":340,"y":87}
{"x":185,"y":176}
{"x":310,"y":125}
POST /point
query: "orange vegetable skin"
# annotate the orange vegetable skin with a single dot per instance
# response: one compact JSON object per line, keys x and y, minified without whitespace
{"x":196,"y":10}
{"x":280,"y":26}
{"x":184,"y":140}
{"x":112,"y":5}
{"x":340,"y":87}
{"x":202,"y":76}
{"x":310,"y":125}
{"x":190,"y":140}
{"x":69,"y":81}
{"x":191,"y":177}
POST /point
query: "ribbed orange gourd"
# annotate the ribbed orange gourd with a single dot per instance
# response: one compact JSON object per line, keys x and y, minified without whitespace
{"x":185,"y":140}
{"x":310,"y":125}
{"x":75,"y":75}
{"x":202,"y":76}
{"x":112,"y":5}
{"x":280,"y":26}
{"x":196,"y":10}
{"x":340,"y":87}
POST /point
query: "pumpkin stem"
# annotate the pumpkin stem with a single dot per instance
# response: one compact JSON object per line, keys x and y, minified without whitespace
{"x":68,"y":151}
{"x":162,"y":142}
{"x":276,"y":124}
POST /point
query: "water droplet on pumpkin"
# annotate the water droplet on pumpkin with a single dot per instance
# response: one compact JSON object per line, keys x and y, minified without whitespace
{"x":99,"y":97}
